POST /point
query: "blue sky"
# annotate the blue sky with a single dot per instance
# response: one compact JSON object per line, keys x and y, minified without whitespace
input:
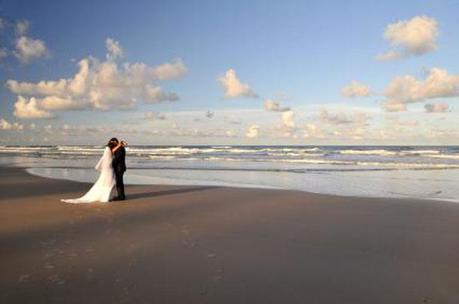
{"x":298,"y":55}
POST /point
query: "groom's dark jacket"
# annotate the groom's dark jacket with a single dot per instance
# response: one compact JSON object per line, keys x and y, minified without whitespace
{"x":119,"y":160}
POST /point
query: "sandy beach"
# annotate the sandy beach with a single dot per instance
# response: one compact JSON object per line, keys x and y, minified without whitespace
{"x":198,"y":244}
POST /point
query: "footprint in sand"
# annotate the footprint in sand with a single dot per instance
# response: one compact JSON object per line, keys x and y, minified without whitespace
{"x":55,"y":279}
{"x":23,"y":278}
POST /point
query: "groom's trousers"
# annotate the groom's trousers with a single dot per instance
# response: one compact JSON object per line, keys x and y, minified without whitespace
{"x":119,"y":184}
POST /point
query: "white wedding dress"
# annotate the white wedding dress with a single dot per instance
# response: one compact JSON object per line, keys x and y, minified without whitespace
{"x":101,"y":190}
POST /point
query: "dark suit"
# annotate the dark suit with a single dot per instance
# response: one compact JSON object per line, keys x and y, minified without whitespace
{"x":119,"y":166}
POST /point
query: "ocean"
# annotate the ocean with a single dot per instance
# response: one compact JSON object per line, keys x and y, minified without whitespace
{"x":424,"y":172}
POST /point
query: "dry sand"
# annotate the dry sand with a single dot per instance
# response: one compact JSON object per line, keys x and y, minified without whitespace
{"x":177,"y":244}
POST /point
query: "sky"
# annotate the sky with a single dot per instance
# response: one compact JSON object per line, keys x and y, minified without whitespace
{"x":229,"y":72}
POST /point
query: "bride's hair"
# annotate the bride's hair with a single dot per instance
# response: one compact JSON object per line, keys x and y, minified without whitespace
{"x":111,"y":143}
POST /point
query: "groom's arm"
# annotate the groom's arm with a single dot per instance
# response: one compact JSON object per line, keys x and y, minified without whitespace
{"x":123,"y":158}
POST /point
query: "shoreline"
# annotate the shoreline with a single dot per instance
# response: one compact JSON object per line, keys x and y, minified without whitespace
{"x":427,"y":173}
{"x":253,"y":186}
{"x":201,"y":244}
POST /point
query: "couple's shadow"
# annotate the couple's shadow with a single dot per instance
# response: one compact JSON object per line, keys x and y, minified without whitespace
{"x":151,"y":194}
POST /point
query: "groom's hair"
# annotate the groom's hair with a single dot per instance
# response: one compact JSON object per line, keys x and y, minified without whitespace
{"x":114,"y":139}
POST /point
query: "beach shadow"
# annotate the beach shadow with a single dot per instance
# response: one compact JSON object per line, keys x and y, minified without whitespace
{"x":152,"y":194}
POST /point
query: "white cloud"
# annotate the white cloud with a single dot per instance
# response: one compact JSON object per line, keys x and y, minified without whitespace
{"x":408,"y":123}
{"x":186,"y":130}
{"x":230,"y":133}
{"x":28,"y":49}
{"x":313,"y":131}
{"x":3,"y":53}
{"x":62,"y":87}
{"x":233,"y":87}
{"x":22,"y":27}
{"x":407,"y":89}
{"x":356,"y":89}
{"x":440,"y":107}
{"x":7,"y":126}
{"x":252,"y":131}
{"x":288,"y":119}
{"x":169,"y":70}
{"x":154,"y":116}
{"x":274,"y":106}
{"x":390,"y":55}
{"x":341,"y":118}
{"x":24,"y":108}
{"x":156,"y":94}
{"x":42,"y":88}
{"x":413,"y":37}
{"x":55,"y":103}
{"x":394,"y":106}
{"x":114,"y":49}
{"x":101,"y":85}
{"x":78,"y":85}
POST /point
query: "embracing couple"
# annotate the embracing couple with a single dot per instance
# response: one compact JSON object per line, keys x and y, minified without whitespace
{"x":112,"y":166}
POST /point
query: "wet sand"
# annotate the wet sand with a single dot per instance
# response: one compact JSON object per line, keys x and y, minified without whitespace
{"x":197,"y":244}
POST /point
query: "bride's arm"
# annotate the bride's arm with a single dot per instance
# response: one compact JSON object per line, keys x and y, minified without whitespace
{"x":119,"y":145}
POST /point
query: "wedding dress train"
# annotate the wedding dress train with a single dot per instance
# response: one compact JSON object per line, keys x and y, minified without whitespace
{"x":101,"y":190}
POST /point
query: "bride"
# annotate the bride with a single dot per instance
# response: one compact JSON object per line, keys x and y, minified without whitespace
{"x":101,"y":190}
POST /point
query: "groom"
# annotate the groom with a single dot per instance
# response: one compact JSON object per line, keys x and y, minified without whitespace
{"x":119,"y":166}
